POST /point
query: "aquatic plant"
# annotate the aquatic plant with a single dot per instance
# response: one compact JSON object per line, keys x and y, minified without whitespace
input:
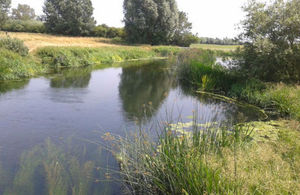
{"x":192,"y":158}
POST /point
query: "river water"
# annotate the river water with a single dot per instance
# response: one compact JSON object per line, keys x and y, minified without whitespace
{"x":51,"y":127}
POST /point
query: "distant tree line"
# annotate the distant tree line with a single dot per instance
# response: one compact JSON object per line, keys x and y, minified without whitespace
{"x":146,"y":21}
{"x":218,"y":41}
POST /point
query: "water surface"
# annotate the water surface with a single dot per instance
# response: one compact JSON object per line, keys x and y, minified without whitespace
{"x":51,"y":127}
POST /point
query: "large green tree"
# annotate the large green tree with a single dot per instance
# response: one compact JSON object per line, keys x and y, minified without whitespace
{"x":4,"y":9}
{"x":272,"y":40}
{"x":151,"y":21}
{"x":23,"y":12}
{"x":69,"y":17}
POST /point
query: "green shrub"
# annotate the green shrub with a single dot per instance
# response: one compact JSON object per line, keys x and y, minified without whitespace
{"x":13,"y":66}
{"x":14,"y":45}
{"x":198,"y":67}
{"x":32,"y":26}
{"x":108,"y":32}
{"x":185,"y":40}
{"x":67,"y":57}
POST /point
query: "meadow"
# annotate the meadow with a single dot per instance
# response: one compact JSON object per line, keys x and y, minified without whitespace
{"x":225,"y":48}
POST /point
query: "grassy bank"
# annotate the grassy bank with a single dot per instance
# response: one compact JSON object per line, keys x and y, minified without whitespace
{"x":19,"y":59}
{"x":225,"y":48}
{"x":15,"y":63}
{"x":78,"y":56}
{"x":197,"y":69}
{"x":191,"y":158}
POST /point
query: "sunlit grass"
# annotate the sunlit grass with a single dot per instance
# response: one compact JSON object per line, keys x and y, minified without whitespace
{"x":253,"y":158}
{"x":225,"y":48}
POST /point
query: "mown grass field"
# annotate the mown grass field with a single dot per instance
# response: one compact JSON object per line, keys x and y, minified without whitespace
{"x":36,"y":40}
{"x":225,"y":48}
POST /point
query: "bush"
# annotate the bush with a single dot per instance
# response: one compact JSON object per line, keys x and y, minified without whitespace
{"x":108,"y":32}
{"x":14,"y":45}
{"x":185,"y":40}
{"x":13,"y":66}
{"x":271,"y":34}
{"x":32,"y":26}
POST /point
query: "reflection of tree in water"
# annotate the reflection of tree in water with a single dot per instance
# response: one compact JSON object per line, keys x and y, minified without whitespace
{"x":72,"y":78}
{"x":12,"y":85}
{"x":143,"y":88}
{"x":56,"y":168}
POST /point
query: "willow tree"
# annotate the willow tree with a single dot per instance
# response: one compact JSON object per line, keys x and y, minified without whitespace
{"x":69,"y":17}
{"x":151,"y":21}
{"x":272,"y":40}
{"x":23,"y":12}
{"x":4,"y":9}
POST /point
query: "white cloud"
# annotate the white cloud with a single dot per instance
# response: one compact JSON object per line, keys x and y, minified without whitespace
{"x":211,"y":18}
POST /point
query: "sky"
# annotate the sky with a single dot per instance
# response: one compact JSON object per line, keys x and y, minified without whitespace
{"x":210,"y":18}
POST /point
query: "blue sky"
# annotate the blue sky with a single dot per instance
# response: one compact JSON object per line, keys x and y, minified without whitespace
{"x":211,"y":18}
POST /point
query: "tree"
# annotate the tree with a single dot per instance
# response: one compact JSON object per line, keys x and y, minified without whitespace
{"x":272,"y":40}
{"x":23,"y":12}
{"x":151,"y":21}
{"x":69,"y":17}
{"x":4,"y":9}
{"x":183,"y":35}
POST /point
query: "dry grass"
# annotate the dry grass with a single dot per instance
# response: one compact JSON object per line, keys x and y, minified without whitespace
{"x":36,"y":40}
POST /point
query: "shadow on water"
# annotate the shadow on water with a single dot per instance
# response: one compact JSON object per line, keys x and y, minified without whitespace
{"x":72,"y":78}
{"x":12,"y":85}
{"x":143,"y":89}
{"x":237,"y":113}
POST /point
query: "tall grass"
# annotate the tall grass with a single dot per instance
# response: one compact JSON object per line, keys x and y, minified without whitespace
{"x":77,"y":56}
{"x":177,"y":163}
{"x":192,"y":158}
{"x":13,"y":66}
{"x":197,"y":69}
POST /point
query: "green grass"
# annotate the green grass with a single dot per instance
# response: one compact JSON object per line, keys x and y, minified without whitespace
{"x":226,"y":48}
{"x":277,"y":99}
{"x":192,"y":158}
{"x":78,"y":56}
{"x":13,"y":66}
{"x":196,"y":69}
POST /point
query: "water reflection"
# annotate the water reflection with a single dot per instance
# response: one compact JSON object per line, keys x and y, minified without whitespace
{"x":12,"y":85}
{"x":143,"y":89}
{"x":79,"y":102}
{"x":234,"y":113}
{"x":72,"y":78}
{"x":59,"y":168}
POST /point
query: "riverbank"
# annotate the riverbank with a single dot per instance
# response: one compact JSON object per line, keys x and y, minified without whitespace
{"x":261,"y":157}
{"x":40,"y":60}
{"x":197,"y":69}
{"x":192,"y":158}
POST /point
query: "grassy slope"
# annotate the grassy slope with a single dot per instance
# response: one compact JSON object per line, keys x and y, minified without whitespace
{"x":53,"y":51}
